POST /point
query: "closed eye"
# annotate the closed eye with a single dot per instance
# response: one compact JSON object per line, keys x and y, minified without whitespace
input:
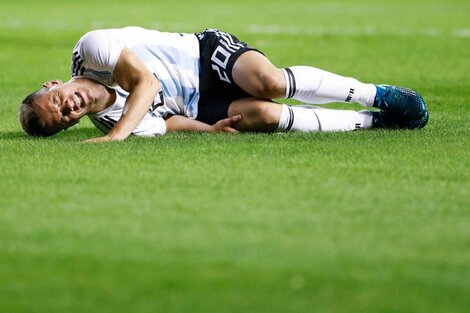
{"x":56,"y":102}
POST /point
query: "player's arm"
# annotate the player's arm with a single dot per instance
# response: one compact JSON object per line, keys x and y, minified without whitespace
{"x":182,"y":123}
{"x":132,"y":75}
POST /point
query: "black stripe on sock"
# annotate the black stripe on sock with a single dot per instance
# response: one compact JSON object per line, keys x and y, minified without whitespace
{"x":291,"y":119}
{"x":288,"y":83}
{"x":291,"y":82}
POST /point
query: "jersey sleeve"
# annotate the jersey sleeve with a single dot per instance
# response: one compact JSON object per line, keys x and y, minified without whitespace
{"x":99,"y":50}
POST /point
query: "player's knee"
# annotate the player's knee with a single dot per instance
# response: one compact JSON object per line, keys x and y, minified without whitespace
{"x":264,"y":114}
{"x":272,"y":84}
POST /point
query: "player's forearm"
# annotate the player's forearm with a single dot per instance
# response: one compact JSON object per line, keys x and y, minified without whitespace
{"x":227,"y":125}
{"x":182,"y":123}
{"x":137,"y":105}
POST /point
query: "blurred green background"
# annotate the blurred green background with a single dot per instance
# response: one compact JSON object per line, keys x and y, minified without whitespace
{"x":372,"y":221}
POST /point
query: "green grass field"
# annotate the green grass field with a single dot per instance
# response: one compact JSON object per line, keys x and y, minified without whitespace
{"x":369,"y":221}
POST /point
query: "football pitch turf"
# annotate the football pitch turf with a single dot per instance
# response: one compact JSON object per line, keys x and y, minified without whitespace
{"x":367,"y":221}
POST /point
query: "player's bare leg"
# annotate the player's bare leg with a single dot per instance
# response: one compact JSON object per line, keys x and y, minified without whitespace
{"x":255,"y":74}
{"x":257,"y":115}
{"x":267,"y":116}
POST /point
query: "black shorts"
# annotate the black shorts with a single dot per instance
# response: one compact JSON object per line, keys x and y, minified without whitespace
{"x":218,"y":53}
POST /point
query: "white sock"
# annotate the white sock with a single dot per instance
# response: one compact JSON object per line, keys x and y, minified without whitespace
{"x":309,"y":118}
{"x":312,"y":85}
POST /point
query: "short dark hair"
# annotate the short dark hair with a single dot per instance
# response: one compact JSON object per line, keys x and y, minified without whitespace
{"x":30,"y":120}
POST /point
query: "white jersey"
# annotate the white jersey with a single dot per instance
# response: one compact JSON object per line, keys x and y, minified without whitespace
{"x":172,"y":57}
{"x":151,"y":124}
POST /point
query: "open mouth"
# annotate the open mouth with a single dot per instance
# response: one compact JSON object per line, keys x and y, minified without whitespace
{"x":80,"y":101}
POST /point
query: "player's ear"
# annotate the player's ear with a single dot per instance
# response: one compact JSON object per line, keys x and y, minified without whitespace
{"x":51,"y":83}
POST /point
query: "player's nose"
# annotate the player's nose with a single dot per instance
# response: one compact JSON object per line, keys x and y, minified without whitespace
{"x":67,"y":106}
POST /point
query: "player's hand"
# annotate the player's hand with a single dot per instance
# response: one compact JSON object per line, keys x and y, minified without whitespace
{"x":100,"y":139}
{"x":227,"y":124}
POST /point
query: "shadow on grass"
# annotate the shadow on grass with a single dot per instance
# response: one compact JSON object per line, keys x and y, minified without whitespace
{"x":13,"y":135}
{"x":76,"y":134}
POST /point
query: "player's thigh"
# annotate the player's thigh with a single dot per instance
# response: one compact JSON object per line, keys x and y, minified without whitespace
{"x":257,"y":114}
{"x":255,"y":74}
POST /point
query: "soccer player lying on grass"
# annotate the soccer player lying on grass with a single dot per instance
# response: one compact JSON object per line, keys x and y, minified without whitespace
{"x":145,"y":82}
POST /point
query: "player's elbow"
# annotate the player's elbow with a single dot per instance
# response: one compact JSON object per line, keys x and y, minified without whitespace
{"x":152,"y":83}
{"x":146,"y":82}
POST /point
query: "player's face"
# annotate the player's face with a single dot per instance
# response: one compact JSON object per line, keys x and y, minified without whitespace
{"x":62,"y":105}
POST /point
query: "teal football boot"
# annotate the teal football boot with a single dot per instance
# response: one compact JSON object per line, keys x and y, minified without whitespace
{"x":390,"y":120}
{"x":399,"y":108}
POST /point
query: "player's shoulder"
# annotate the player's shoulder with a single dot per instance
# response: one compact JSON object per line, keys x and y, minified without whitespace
{"x":101,"y":46}
{"x":107,"y":32}
{"x":99,"y":37}
{"x":94,"y":38}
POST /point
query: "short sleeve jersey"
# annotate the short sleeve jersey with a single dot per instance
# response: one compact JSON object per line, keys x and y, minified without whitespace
{"x":173,"y":58}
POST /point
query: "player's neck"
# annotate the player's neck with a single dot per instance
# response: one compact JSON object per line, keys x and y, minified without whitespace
{"x":105,"y":97}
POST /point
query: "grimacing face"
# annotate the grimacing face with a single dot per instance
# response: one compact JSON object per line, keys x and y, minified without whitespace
{"x":61,"y":105}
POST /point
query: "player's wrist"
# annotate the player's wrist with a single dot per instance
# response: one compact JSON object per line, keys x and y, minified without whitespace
{"x":116,"y":136}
